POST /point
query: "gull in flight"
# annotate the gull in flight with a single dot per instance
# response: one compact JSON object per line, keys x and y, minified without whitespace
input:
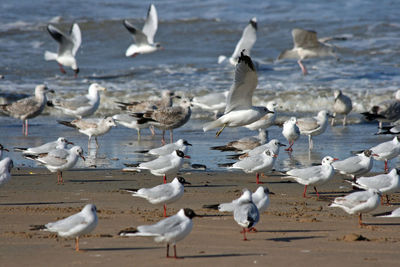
{"x":307,"y":45}
{"x":163,"y":193}
{"x":80,"y":106}
{"x":144,"y":39}
{"x":59,"y":160}
{"x":169,"y":230}
{"x":76,"y":225}
{"x":239,"y":109}
{"x":358,"y":202}
{"x":68,"y":45}
{"x":27,"y":108}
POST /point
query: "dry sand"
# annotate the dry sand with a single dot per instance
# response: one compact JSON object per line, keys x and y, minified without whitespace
{"x":293,"y":231}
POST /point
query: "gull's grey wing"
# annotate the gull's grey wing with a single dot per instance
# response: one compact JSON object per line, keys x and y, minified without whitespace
{"x":85,"y":124}
{"x":377,"y":182}
{"x":76,"y":36}
{"x":168,"y":225}
{"x":138,"y":36}
{"x":245,"y":82}
{"x":158,"y":192}
{"x":306,"y":173}
{"x":246,"y":213}
{"x":349,"y":165}
{"x":22,"y":107}
{"x":151,"y":24}
{"x":66,"y":44}
{"x":307,"y":124}
{"x":66,"y":224}
{"x":160,"y":163}
{"x":247,"y":40}
{"x":73,"y":103}
{"x":305,"y":39}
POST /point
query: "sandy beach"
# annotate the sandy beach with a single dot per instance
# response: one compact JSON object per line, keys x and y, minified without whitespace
{"x":294,"y":230}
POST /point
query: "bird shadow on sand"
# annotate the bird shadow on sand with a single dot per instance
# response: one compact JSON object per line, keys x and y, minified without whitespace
{"x":99,"y":180}
{"x":292,"y":238}
{"x":40,"y":203}
{"x":119,"y":249}
{"x":220,"y":255}
{"x":212,"y":185}
{"x":291,"y":231}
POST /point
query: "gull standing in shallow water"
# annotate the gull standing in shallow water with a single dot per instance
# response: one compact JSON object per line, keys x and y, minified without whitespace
{"x":59,"y":160}
{"x":356,"y":165}
{"x":342,"y":105}
{"x":358,"y":202}
{"x":68,"y":45}
{"x":169,"y":230}
{"x":313,"y":126}
{"x":316,"y":175}
{"x":91,"y":127}
{"x":60,"y":143}
{"x":245,"y":212}
{"x":239,"y":109}
{"x":306,"y":45}
{"x":163,"y":193}
{"x":80,"y":106}
{"x":246,"y":42}
{"x":387,"y":151}
{"x":245,"y":143}
{"x":27,"y":108}
{"x":144,"y":39}
{"x":5,"y":170}
{"x":76,"y":225}
{"x":291,"y":132}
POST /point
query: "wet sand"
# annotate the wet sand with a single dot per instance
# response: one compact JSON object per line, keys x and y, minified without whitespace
{"x":295,"y":231}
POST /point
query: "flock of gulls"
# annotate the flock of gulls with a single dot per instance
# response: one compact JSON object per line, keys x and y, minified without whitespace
{"x":255,"y":154}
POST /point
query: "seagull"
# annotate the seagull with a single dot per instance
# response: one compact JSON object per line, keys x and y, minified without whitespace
{"x":258,"y":163}
{"x":6,"y":165}
{"x":80,"y":106}
{"x":245,"y":143}
{"x":245,"y":212}
{"x":266,"y":121}
{"x":130,"y":122}
{"x":248,"y":39}
{"x":306,"y":45}
{"x":386,"y":111}
{"x":391,"y":214}
{"x":181,"y":145}
{"x":60,"y":143}
{"x":91,"y":127}
{"x":169,"y":230}
{"x":27,"y":108}
{"x":272,"y":145}
{"x":313,"y":126}
{"x":168,"y":118}
{"x":163,"y":165}
{"x":68,"y":45}
{"x":144,"y":39}
{"x":385,"y":183}
{"x":59,"y":160}
{"x":358,"y":202}
{"x":2,"y":148}
{"x":214,"y":102}
{"x":239,"y":110}
{"x":357,"y":165}
{"x":291,"y":132}
{"x":260,"y":198}
{"x":315,"y":175}
{"x":387,"y":150}
{"x":342,"y":105}
{"x":163,"y":193}
{"x":141,"y":106}
{"x":76,"y":225}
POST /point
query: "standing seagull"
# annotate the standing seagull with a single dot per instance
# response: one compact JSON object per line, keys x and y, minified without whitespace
{"x":91,"y":127}
{"x":76,"y":225}
{"x":181,"y":145}
{"x":169,"y":230}
{"x":246,"y":213}
{"x":316,"y":175}
{"x":144,"y":39}
{"x":60,"y":143}
{"x":385,"y":183}
{"x":141,"y":106}
{"x":306,"y":45}
{"x":313,"y":126}
{"x":387,"y":151}
{"x":68,"y":45}
{"x":245,"y":143}
{"x":80,"y":106}
{"x":59,"y":160}
{"x":357,"y":165}
{"x":273,"y":145}
{"x":291,"y":132}
{"x":163,"y":193}
{"x":239,"y":109}
{"x":27,"y":108}
{"x":5,"y":168}
{"x":358,"y":202}
{"x":246,"y":42}
{"x":342,"y":105}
